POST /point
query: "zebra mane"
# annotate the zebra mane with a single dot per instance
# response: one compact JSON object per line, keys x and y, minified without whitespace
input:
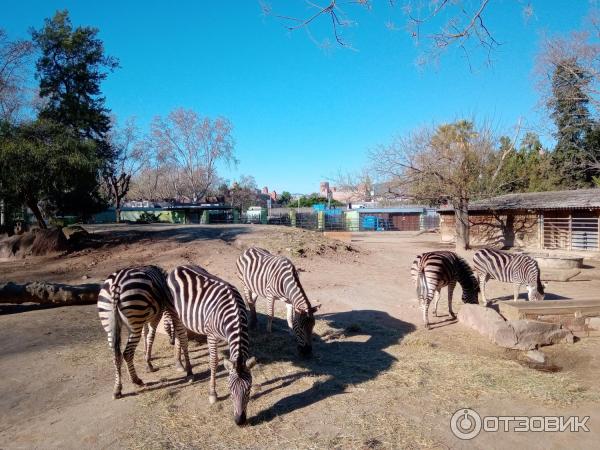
{"x":466,"y":277}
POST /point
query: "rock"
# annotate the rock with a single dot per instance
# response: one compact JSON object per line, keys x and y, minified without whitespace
{"x":85,"y":277}
{"x":515,"y":334}
{"x":536,"y":356}
{"x":532,"y":334}
{"x":594,"y":323}
{"x":486,"y":321}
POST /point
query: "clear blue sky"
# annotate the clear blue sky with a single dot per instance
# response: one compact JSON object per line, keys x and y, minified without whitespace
{"x":301,"y":114}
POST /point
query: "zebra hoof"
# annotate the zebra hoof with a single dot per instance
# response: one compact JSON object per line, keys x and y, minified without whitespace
{"x":138,"y":383}
{"x":151,"y":369}
{"x":117,"y":395}
{"x":212,"y":399}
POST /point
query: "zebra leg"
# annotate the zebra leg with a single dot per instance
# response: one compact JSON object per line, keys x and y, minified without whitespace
{"x":425,"y":308}
{"x":181,"y":346}
{"x":117,"y":359}
{"x":482,"y":280}
{"x":250,"y":300}
{"x":436,"y":300}
{"x":132,"y":342}
{"x":270,"y":313}
{"x":451,"y":287}
{"x":213,"y":362}
{"x":290,"y":316}
{"x":516,"y":292}
{"x":148,"y":334}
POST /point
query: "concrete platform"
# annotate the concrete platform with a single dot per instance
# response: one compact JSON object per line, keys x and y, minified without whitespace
{"x":574,"y":315}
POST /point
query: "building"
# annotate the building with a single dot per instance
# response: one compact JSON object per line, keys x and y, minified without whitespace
{"x":564,"y":220}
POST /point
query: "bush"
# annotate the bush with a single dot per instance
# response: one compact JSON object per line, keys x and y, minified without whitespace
{"x":148,"y":217}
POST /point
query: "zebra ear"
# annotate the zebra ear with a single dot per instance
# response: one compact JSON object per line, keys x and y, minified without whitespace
{"x":250,"y":362}
{"x":315,"y":308}
{"x":228,"y":364}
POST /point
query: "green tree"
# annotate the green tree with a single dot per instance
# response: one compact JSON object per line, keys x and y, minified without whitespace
{"x":526,"y":169}
{"x":44,"y":163}
{"x":70,"y":70}
{"x":569,"y":110}
{"x":285,"y":198}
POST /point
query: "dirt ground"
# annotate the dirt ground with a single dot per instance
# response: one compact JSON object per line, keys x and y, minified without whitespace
{"x":377,"y":379}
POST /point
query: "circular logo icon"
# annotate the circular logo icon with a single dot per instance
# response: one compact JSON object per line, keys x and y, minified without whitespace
{"x":465,"y":424}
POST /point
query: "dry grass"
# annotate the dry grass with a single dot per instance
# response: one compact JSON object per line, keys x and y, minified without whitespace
{"x":367,"y":386}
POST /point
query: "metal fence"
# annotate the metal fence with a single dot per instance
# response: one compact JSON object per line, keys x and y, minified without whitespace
{"x":570,"y":233}
{"x":326,"y":221}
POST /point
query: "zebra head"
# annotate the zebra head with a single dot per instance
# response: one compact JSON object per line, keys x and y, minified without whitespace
{"x":303,"y":324}
{"x":240,"y":384}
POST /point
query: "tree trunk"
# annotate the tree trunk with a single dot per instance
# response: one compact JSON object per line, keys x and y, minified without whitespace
{"x":33,"y":206}
{"x":461,"y":214}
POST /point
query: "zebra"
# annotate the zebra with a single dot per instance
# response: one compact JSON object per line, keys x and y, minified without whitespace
{"x":432,"y":271}
{"x":508,"y":268}
{"x":131,"y":298}
{"x":275,"y":277}
{"x":210,"y":306}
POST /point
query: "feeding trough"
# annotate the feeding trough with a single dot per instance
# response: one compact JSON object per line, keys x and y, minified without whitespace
{"x":557,"y":261}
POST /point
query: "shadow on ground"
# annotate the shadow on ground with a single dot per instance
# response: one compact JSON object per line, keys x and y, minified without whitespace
{"x":179,"y":233}
{"x":350,"y":352}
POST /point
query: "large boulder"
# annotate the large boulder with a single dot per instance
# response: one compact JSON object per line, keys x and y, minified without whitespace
{"x":516,"y":334}
{"x":37,"y":242}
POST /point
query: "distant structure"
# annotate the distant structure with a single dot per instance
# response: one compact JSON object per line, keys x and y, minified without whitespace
{"x":362,"y":194}
{"x":269,"y":194}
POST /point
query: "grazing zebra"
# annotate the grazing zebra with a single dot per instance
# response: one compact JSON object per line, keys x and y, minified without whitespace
{"x":210,"y":306}
{"x":508,"y":268}
{"x":434,"y":270}
{"x":129,"y":299}
{"x":275,"y":277}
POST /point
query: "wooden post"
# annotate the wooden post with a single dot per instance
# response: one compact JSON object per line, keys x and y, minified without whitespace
{"x":570,"y":231}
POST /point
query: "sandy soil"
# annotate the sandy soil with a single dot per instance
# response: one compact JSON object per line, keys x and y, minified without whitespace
{"x":377,"y":379}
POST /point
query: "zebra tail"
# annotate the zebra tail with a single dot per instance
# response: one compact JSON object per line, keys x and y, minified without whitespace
{"x":422,"y":289}
{"x":115,"y":324}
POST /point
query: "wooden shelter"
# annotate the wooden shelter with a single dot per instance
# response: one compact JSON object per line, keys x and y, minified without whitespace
{"x":563,"y":220}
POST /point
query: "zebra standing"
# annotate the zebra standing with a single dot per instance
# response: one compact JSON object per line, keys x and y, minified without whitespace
{"x":210,"y":306}
{"x":508,"y":268}
{"x":275,"y":277}
{"x":432,"y":271}
{"x":131,"y":298}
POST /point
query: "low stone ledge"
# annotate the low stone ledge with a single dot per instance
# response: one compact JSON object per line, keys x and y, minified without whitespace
{"x":515,"y":334}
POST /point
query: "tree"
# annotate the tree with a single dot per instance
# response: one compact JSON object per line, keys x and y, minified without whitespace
{"x":438,"y":24}
{"x":190,"y":147}
{"x":449,"y":163}
{"x":526,"y":169}
{"x":569,"y":110}
{"x":14,"y":59}
{"x":129,"y":159}
{"x":42,"y":162}
{"x":285,"y":198}
{"x":70,"y":70}
{"x":244,"y":193}
{"x":569,"y":78}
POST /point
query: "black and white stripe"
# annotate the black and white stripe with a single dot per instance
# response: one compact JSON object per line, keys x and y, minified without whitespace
{"x":210,"y":306}
{"x":275,"y":277}
{"x":128,"y":300}
{"x":506,"y":267}
{"x":434,"y":270}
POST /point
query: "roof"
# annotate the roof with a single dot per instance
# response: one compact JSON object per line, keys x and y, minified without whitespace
{"x":574,"y":199}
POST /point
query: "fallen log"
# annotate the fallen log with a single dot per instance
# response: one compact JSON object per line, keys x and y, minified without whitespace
{"x":49,"y":293}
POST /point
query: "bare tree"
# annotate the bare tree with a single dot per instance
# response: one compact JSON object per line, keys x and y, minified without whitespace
{"x":445,"y":164}
{"x":14,"y":62}
{"x":189,"y":147}
{"x":439,"y":23}
{"x":130,"y":157}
